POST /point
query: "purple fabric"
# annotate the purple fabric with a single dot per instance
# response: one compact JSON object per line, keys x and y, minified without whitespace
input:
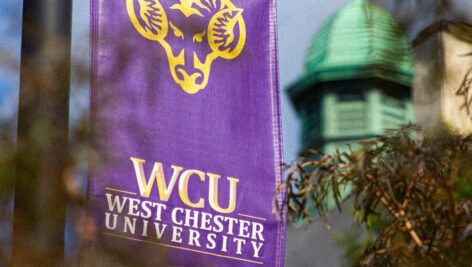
{"x":230,"y":128}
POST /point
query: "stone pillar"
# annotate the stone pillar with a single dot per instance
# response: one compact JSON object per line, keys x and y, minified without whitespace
{"x":443,"y":65}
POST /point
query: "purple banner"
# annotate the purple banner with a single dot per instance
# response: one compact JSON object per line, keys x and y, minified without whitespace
{"x":185,"y":117}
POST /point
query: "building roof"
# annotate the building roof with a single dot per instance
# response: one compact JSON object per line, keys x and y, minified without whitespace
{"x":359,"y":41}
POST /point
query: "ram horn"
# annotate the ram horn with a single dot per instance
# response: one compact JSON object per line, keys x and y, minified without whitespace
{"x":152,"y":23}
{"x":221,"y":33}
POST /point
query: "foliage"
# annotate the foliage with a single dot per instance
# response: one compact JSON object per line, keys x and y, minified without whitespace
{"x":418,"y":185}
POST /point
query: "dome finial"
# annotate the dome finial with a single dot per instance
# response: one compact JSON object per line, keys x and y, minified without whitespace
{"x":360,"y":41}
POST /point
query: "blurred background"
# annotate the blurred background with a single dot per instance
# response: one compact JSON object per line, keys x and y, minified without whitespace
{"x":347,"y":69}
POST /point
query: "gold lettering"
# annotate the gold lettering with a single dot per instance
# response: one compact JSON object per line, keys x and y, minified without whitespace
{"x":183,"y":188}
{"x":165,"y":188}
{"x":157,"y":173}
{"x":213,"y":193}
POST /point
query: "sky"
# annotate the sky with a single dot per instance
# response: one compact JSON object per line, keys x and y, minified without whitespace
{"x":10,"y":43}
{"x":298,"y":20}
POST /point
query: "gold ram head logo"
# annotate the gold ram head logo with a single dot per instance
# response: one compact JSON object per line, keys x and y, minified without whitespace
{"x":193,"y":34}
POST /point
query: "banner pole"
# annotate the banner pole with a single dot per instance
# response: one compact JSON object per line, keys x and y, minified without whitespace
{"x":40,"y":200}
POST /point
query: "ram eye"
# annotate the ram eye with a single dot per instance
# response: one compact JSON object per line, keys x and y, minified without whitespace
{"x":177,"y":32}
{"x":198,"y":37}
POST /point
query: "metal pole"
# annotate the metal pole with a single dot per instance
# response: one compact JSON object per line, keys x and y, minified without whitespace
{"x":40,"y":200}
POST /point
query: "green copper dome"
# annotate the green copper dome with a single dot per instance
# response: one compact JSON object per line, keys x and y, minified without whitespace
{"x":360,"y":41}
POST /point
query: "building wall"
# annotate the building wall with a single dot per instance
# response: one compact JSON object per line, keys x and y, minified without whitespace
{"x":443,"y":61}
{"x":428,"y":75}
{"x":457,"y":66}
